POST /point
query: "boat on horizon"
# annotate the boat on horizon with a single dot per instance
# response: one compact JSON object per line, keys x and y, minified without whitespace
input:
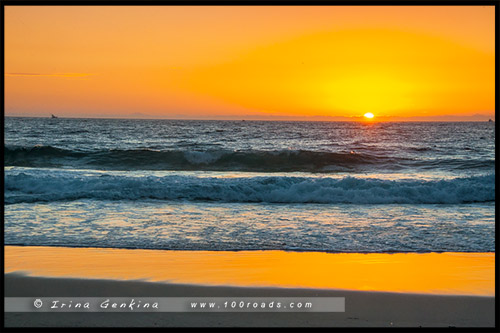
{"x":53,"y":117}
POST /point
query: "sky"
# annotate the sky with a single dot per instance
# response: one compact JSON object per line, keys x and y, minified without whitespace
{"x":251,"y":62}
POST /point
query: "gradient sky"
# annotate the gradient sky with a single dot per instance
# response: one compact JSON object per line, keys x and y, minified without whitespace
{"x":307,"y":62}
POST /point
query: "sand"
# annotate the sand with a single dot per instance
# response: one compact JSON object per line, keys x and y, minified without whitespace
{"x":363,"y":309}
{"x":380,"y":290}
{"x":421,"y":273}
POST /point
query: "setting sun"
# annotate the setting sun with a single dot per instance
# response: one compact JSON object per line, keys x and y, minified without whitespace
{"x":336,"y":163}
{"x":274,"y":62}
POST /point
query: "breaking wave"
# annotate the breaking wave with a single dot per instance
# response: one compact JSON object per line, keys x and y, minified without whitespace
{"x":74,"y":185}
{"x":224,"y":160}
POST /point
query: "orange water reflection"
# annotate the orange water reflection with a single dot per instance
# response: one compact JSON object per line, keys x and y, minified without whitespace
{"x":435,"y":273}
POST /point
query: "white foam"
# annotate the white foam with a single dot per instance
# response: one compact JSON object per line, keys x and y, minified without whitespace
{"x":38,"y":185}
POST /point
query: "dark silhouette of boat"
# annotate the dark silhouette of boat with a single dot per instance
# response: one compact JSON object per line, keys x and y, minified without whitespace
{"x":490,"y":121}
{"x":53,"y":117}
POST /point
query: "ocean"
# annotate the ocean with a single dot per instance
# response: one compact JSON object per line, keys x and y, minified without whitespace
{"x":250,"y":185}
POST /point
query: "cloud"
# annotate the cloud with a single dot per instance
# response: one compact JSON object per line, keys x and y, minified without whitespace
{"x":73,"y":75}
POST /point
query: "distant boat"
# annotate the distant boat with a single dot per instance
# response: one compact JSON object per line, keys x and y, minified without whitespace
{"x":53,"y":117}
{"x":490,"y":121}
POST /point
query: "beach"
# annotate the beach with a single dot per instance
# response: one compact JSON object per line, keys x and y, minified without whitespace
{"x":405,"y":232}
{"x":250,"y":166}
{"x":461,"y":293}
{"x":363,"y":309}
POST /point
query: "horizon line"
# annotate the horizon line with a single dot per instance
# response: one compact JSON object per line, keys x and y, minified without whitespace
{"x":351,"y":119}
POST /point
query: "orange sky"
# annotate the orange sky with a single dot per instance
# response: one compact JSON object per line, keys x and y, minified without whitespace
{"x":217,"y":62}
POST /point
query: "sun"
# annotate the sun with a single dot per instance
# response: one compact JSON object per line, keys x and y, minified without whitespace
{"x":369,"y":115}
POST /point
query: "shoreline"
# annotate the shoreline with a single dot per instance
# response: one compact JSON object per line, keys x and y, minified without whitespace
{"x":363,"y":308}
{"x":380,"y":290}
{"x":429,"y":273}
{"x":235,"y":250}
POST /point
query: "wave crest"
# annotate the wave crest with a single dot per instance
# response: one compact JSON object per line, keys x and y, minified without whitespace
{"x":226,"y":160}
{"x":26,"y":187}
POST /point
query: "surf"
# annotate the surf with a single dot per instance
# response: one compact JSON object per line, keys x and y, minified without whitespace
{"x":37,"y":185}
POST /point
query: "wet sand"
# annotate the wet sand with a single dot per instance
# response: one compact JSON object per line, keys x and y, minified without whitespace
{"x":363,"y":309}
{"x":461,"y":293}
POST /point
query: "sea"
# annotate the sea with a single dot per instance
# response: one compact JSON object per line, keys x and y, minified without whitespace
{"x":380,"y":187}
